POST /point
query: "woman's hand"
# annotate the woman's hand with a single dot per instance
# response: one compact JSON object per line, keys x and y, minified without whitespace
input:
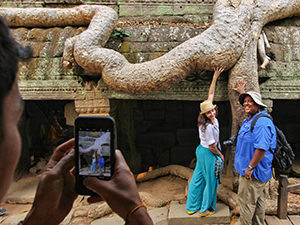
{"x":56,"y":190}
{"x":222,"y":157}
{"x":211,"y":91}
{"x":218,"y":71}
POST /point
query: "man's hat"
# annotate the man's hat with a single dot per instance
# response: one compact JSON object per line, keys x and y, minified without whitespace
{"x":254,"y":95}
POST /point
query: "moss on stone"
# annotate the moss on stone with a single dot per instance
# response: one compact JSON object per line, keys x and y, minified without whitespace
{"x":125,"y":47}
{"x":194,"y":10}
{"x":163,"y":10}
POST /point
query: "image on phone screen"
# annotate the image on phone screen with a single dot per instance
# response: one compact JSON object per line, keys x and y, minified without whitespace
{"x":94,"y":153}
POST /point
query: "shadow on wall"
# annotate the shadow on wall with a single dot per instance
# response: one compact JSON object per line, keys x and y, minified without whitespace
{"x":286,"y":116}
{"x":167,"y":133}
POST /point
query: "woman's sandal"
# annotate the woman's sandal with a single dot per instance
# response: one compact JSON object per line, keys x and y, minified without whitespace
{"x":192,"y":212}
{"x":207,"y":214}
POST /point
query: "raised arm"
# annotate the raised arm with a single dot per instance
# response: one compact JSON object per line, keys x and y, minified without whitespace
{"x":211,"y":92}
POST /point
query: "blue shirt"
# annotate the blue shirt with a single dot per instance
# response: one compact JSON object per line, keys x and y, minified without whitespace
{"x":263,"y":137}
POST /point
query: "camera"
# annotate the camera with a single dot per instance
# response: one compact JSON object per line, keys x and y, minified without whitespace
{"x":95,"y":143}
{"x":230,"y":142}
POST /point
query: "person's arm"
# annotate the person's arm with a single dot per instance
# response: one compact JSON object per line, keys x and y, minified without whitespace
{"x":120,"y":193}
{"x":213,"y":148}
{"x":258,"y":156}
{"x":211,"y":92}
{"x":56,"y":190}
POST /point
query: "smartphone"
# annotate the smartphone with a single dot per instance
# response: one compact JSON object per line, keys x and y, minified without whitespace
{"x":95,"y":143}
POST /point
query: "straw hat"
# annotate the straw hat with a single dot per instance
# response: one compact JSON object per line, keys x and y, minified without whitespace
{"x":206,"y":106}
{"x":254,"y":95}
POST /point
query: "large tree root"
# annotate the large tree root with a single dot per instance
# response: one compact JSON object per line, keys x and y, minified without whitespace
{"x":175,"y":170}
{"x":234,"y":28}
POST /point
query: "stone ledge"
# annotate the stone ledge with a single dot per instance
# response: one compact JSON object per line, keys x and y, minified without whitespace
{"x":178,"y":215}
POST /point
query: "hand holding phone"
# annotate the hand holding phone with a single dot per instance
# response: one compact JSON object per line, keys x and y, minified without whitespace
{"x":95,"y":143}
{"x":120,"y":193}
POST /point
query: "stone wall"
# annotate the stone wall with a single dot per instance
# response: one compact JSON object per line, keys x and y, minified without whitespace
{"x":166,"y":10}
{"x":281,"y":78}
{"x":167,"y":133}
{"x":155,"y":27}
{"x":45,"y":77}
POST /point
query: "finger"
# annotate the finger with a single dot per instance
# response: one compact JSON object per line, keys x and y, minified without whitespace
{"x":66,"y":163}
{"x":120,"y":161}
{"x":95,"y":184}
{"x":95,"y":199}
{"x":61,"y":150}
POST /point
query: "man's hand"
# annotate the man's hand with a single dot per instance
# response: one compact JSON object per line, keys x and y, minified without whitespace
{"x":56,"y":190}
{"x":248,"y":174}
{"x":240,"y":86}
{"x":120,"y":192}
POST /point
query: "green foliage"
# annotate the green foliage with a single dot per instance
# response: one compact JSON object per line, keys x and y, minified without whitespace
{"x":120,"y":33}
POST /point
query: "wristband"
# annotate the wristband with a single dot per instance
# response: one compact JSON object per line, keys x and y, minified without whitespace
{"x":133,"y":210}
{"x":250,"y":168}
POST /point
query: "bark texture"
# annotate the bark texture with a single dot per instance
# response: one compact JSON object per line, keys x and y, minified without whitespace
{"x":230,"y":42}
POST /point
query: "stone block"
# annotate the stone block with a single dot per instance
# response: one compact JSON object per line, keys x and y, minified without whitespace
{"x":187,"y":137}
{"x":20,"y":34}
{"x":153,"y":105}
{"x":70,"y":113}
{"x":154,"y":114}
{"x":161,"y":157}
{"x":138,"y":33}
{"x":156,"y":140}
{"x":195,"y":9}
{"x":174,"y":119}
{"x":147,"y":157}
{"x":111,"y":219}
{"x":174,"y":105}
{"x":182,"y":155}
{"x":159,"y":216}
{"x":178,"y":215}
{"x":291,"y":132}
{"x":190,"y":113}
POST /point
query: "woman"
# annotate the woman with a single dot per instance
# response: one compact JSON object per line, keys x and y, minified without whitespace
{"x":202,"y":193}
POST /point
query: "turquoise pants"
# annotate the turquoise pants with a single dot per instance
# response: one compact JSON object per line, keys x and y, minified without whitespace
{"x":202,"y":194}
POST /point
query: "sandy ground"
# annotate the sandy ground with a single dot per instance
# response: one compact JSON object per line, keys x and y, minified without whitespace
{"x":168,"y":187}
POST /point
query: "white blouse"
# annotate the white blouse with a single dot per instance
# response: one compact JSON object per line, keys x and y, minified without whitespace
{"x":210,"y":135}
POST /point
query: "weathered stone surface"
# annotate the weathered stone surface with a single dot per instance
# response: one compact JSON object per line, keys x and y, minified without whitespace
{"x":187,"y":137}
{"x":156,"y":140}
{"x":142,"y":51}
{"x":182,"y":155}
{"x":178,"y":215}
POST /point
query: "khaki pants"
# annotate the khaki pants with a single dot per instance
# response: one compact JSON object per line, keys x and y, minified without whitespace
{"x":252,"y":201}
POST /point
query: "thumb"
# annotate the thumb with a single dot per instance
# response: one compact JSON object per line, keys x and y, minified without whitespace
{"x":95,"y":184}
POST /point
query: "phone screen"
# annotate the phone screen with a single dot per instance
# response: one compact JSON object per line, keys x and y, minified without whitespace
{"x":94,"y":150}
{"x":94,"y":153}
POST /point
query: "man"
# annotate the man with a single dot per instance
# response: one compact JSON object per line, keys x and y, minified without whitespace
{"x":253,"y":160}
{"x":55,"y":193}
